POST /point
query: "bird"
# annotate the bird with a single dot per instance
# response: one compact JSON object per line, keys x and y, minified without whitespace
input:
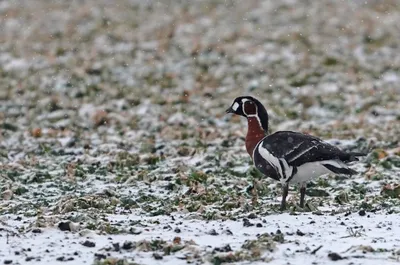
{"x":288,"y":156}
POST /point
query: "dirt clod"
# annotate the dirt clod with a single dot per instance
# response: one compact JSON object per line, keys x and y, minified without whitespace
{"x":334,"y":256}
{"x":89,"y":244}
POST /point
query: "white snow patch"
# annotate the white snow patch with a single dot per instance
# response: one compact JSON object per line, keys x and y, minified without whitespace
{"x":64,"y":140}
{"x":324,"y":231}
{"x":16,"y":64}
{"x":390,"y":77}
{"x":329,"y":87}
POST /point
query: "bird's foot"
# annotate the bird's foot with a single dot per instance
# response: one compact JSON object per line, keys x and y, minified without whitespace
{"x":298,"y":208}
{"x":312,"y":207}
{"x":307,"y":207}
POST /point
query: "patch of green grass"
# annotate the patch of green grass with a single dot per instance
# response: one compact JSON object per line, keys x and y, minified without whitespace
{"x":330,"y":61}
{"x":198,"y":176}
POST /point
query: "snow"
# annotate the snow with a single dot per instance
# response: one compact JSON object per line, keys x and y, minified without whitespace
{"x":280,"y":52}
{"x":16,"y":64}
{"x":376,"y":230}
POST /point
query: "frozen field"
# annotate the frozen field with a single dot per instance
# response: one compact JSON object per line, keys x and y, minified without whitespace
{"x":115,"y":148}
{"x":277,"y":239}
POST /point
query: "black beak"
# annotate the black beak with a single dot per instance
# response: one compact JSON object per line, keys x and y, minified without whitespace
{"x":229,"y":110}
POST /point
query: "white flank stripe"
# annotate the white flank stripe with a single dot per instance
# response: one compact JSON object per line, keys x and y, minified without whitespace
{"x":272,"y":160}
{"x":288,"y":169}
{"x":302,"y":153}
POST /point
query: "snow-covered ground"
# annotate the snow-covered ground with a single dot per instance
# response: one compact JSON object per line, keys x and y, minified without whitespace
{"x":112,"y":125}
{"x":307,"y":239}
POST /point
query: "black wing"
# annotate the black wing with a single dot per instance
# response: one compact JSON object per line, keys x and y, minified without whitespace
{"x":297,"y":148}
{"x":285,"y":151}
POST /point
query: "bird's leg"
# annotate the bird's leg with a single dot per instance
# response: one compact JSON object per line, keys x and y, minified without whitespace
{"x":302,"y":194}
{"x":285,"y":191}
{"x":254,"y":199}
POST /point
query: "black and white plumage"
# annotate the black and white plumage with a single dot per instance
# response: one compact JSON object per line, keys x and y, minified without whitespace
{"x":287,"y":156}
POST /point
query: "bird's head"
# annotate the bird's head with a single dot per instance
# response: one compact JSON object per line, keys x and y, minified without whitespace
{"x":245,"y":106}
{"x":248,"y":107}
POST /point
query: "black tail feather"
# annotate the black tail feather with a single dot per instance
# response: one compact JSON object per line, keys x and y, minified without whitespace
{"x":357,"y":154}
{"x":352,"y":156}
{"x":341,"y":170}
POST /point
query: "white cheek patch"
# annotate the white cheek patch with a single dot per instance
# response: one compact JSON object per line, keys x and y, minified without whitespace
{"x":235,"y":106}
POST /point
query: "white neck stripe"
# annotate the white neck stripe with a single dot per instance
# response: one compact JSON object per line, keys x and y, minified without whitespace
{"x":258,"y":119}
{"x":252,"y":115}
